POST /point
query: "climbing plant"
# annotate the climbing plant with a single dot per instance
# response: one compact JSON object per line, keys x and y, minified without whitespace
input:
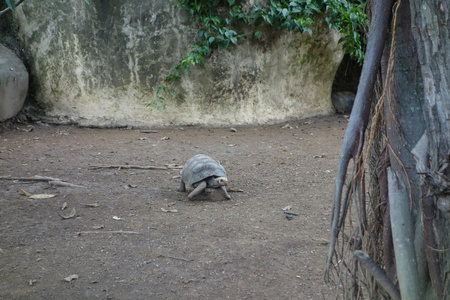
{"x":223,"y":23}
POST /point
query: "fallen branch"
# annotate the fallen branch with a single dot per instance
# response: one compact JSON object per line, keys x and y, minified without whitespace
{"x":35,"y":178}
{"x":148,"y":131}
{"x":108,"y":232}
{"x":50,"y":180}
{"x":62,"y":183}
{"x":95,"y":167}
{"x":231,"y":190}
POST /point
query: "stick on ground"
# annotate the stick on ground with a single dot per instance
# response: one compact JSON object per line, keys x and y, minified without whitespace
{"x":95,"y":167}
{"x":108,"y":232}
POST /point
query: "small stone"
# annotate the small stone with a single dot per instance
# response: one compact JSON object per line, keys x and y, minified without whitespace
{"x":233,"y":129}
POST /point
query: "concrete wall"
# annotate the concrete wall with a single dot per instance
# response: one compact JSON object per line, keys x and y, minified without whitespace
{"x":100,"y":64}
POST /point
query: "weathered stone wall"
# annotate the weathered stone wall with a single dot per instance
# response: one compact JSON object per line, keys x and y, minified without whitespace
{"x":100,"y":64}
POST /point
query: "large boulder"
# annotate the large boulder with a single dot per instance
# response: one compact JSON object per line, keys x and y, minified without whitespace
{"x":343,"y":101}
{"x":100,"y":64}
{"x":13,"y":84}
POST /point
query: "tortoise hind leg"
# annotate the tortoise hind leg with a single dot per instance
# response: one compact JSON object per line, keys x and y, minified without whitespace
{"x":225,"y":192}
{"x":200,"y":187}
{"x":182,"y":187}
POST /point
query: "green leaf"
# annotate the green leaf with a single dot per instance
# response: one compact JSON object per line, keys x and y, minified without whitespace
{"x":11,"y":4}
{"x":231,"y":2}
{"x":267,"y":19}
{"x":257,"y":34}
{"x":160,"y":88}
{"x":230,"y":33}
{"x":216,"y":20}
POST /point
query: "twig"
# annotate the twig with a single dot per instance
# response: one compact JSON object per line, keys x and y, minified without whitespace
{"x":35,"y":178}
{"x":290,"y":213}
{"x":148,"y":131}
{"x":62,"y":183}
{"x":95,"y":167}
{"x":50,"y":180}
{"x":108,"y":232}
{"x":174,"y":257}
{"x":439,"y":250}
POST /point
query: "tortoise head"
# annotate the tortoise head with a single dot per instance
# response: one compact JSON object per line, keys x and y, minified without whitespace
{"x":222,"y":181}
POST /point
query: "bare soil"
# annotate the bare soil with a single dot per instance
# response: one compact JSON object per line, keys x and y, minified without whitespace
{"x":133,"y":236}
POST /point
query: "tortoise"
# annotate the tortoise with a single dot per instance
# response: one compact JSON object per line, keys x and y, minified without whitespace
{"x":200,"y":172}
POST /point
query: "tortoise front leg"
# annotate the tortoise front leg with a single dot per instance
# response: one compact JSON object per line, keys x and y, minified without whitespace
{"x":182,"y":187}
{"x":200,"y":187}
{"x":224,"y":189}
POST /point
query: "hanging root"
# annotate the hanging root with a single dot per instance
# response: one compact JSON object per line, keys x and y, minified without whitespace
{"x":354,"y":136}
{"x":374,"y":270}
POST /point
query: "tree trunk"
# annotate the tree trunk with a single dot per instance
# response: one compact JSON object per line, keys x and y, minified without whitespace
{"x":417,"y":129}
{"x":430,"y":24}
{"x":413,"y":174}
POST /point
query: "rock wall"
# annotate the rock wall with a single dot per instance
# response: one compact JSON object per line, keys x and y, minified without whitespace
{"x":100,"y":64}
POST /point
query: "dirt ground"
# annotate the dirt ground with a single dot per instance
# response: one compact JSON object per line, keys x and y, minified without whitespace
{"x":133,"y":236}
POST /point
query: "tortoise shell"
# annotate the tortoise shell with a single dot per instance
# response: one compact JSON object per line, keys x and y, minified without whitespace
{"x":200,"y":167}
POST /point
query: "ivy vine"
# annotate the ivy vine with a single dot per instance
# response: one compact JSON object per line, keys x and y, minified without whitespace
{"x":219,"y":21}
